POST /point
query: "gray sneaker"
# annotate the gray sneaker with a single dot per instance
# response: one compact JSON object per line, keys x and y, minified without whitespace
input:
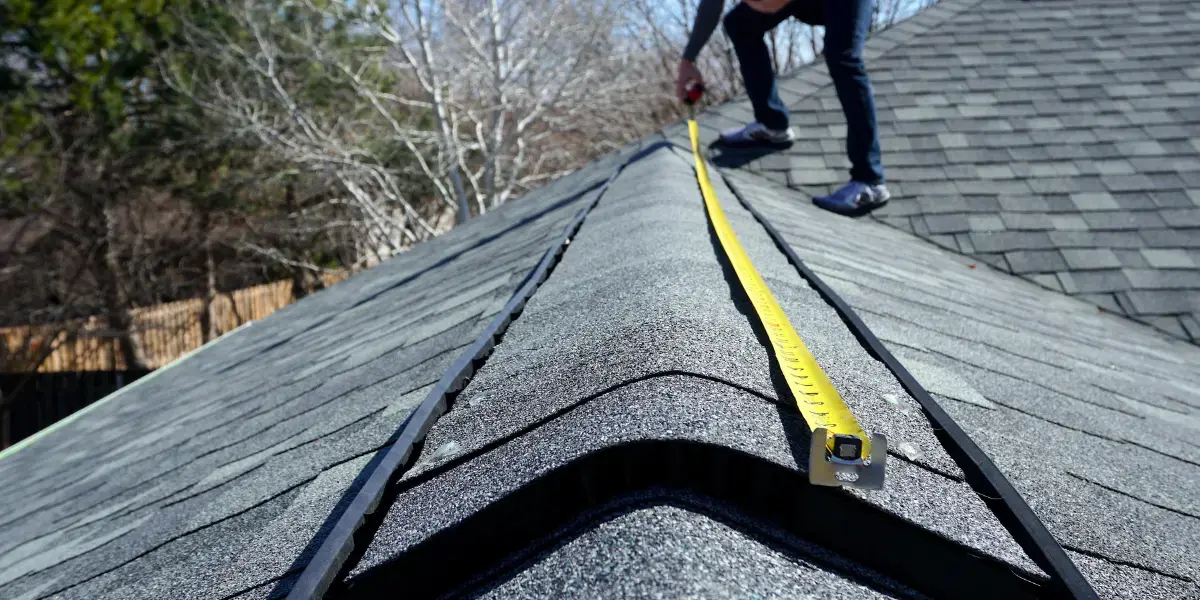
{"x":757,"y":133}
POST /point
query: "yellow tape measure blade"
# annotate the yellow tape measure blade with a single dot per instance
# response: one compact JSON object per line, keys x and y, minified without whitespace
{"x":853,"y":454}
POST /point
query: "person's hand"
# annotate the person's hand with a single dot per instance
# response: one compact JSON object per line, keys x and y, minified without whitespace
{"x":768,"y":7}
{"x":688,"y":74}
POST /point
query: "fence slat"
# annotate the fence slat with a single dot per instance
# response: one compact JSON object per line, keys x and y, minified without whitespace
{"x":164,"y":332}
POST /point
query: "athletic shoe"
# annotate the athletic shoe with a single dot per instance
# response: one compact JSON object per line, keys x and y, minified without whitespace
{"x":854,"y":198}
{"x":757,"y":133}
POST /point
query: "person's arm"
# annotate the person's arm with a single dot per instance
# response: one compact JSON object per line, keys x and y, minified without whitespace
{"x":708,"y":14}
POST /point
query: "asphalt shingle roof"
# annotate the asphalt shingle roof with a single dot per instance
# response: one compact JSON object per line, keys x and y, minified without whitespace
{"x":635,"y":348}
{"x":611,"y":561}
{"x":213,"y":476}
{"x":1092,"y":417}
{"x":1057,"y":141}
{"x":627,"y":435}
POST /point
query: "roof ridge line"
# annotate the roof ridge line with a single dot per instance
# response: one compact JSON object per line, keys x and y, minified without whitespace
{"x":333,"y":550}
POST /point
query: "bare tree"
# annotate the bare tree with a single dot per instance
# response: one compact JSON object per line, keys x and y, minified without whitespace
{"x":443,"y":107}
{"x":260,"y":77}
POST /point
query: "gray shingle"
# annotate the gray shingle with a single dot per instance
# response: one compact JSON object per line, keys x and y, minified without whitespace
{"x":1027,"y":221}
{"x":1159,"y":302}
{"x":1144,"y":148}
{"x":1128,"y":183}
{"x":985,"y":223}
{"x":1172,"y":199}
{"x":918,"y":113}
{"x":1168,"y":258}
{"x":1095,"y":201}
{"x":1105,"y":167}
{"x":1026,"y":153}
{"x":1055,"y":185}
{"x":1191,"y":325}
{"x":814,"y":176}
{"x":1006,"y":241}
{"x":1000,"y":187}
{"x":942,"y":204}
{"x":1154,"y":279}
{"x":1106,"y":301}
{"x":1090,"y":282}
{"x":1047,"y":280}
{"x":1131,"y":258}
{"x":1165,"y":180}
{"x":964,"y":243}
{"x":953,"y":140}
{"x":1068,"y":222}
{"x":1018,"y":203}
{"x":947,"y":241}
{"x":1170,"y":325}
{"x":1097,"y":239}
{"x":951,"y":223}
{"x":1094,"y":258}
{"x":903,"y":223}
{"x":1187,"y":217}
{"x":982,"y":203}
{"x":961,"y":171}
{"x":785,"y":162}
{"x":1171,"y":238}
{"x":1118,"y":220}
{"x":1135,"y":201}
{"x":1035,"y":261}
{"x":996,"y":260}
{"x":921,"y":226}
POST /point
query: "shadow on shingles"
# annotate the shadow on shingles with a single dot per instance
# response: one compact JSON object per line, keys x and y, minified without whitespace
{"x":492,"y":581}
{"x":733,"y":157}
{"x":797,"y":431}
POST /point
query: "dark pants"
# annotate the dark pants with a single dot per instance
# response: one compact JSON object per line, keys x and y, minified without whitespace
{"x":846,"y":26}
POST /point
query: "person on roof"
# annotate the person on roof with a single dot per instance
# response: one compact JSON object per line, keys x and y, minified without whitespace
{"x":846,"y":25}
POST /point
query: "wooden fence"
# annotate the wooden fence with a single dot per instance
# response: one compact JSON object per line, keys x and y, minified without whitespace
{"x":163,"y":332}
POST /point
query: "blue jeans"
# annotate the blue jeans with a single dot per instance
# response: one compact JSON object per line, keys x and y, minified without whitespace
{"x":846,"y":25}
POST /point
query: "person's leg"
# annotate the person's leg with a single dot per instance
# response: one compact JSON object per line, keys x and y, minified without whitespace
{"x":746,"y":28}
{"x":846,"y":26}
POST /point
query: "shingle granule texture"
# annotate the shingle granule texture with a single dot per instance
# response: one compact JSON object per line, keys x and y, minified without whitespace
{"x":664,"y":355}
{"x":625,"y":557}
{"x":1095,"y":419}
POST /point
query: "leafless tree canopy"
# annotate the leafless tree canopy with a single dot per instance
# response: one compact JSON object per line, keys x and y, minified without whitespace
{"x":289,"y":138}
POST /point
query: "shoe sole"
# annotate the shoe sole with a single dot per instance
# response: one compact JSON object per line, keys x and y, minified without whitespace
{"x":757,"y":143}
{"x":858,"y":212}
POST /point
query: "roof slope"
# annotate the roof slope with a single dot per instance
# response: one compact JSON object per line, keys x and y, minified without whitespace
{"x":632,"y":339}
{"x":635,"y":336}
{"x":635,"y":372}
{"x":212,"y":476}
{"x":1058,"y":141}
{"x":628,"y":434}
{"x":1093,"y":418}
